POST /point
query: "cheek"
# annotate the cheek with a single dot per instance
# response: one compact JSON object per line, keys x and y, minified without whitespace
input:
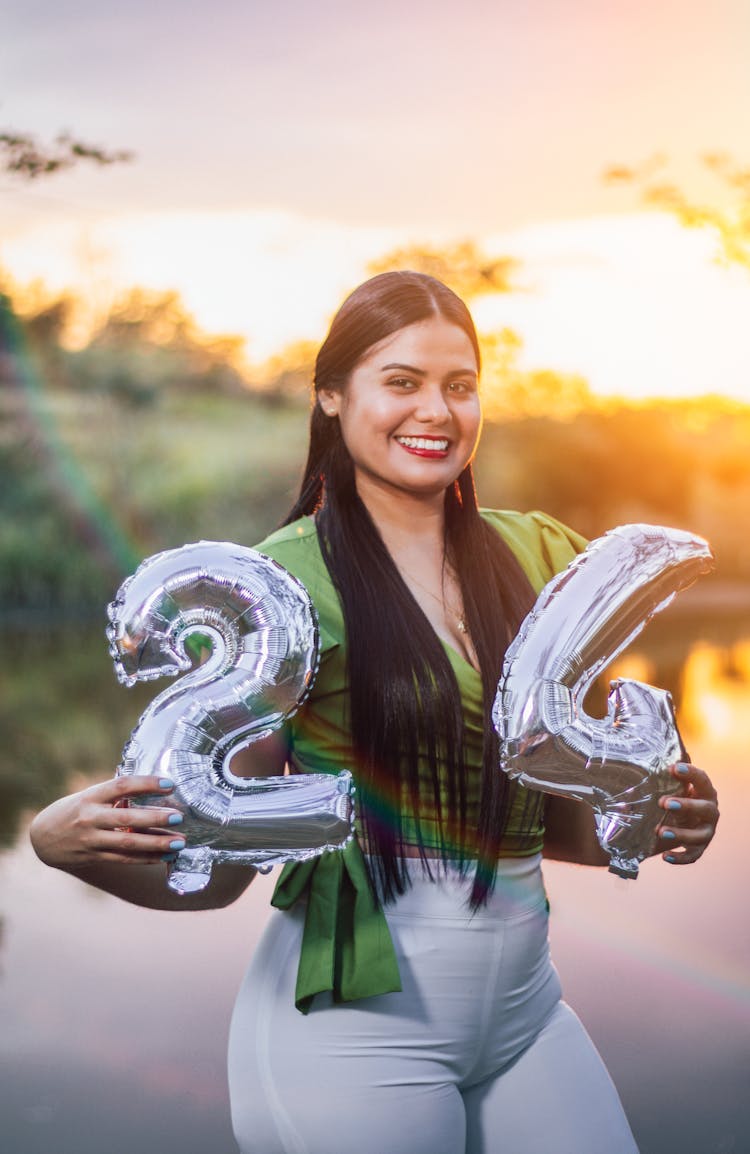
{"x":376,"y":416}
{"x":473,"y":422}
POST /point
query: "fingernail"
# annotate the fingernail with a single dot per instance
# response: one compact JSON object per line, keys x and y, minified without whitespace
{"x":673,"y":803}
{"x":682,"y":768}
{"x":169,"y":857}
{"x":668,"y":857}
{"x":165,"y":783}
{"x":180,"y":844}
{"x":174,"y":819}
{"x":668,"y":834}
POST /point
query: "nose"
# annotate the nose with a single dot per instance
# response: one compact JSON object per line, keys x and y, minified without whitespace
{"x":432,"y":407}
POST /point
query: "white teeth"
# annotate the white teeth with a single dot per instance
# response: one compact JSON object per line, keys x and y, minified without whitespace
{"x":437,"y":445}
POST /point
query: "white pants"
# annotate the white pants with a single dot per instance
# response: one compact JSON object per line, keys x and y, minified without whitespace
{"x":477,"y":1054}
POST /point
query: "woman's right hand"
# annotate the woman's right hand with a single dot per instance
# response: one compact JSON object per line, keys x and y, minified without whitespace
{"x":94,"y":826}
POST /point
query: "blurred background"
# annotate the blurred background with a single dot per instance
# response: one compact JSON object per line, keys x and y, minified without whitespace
{"x":186,"y":195}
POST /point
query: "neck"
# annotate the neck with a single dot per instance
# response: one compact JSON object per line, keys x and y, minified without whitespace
{"x":404,"y":520}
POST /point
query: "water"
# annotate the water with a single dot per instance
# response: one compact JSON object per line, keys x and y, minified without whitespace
{"x":114,"y":1019}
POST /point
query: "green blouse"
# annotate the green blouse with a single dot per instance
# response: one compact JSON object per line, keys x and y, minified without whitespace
{"x":346,"y":946}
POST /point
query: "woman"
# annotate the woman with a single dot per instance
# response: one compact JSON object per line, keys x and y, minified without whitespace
{"x":402,"y":997}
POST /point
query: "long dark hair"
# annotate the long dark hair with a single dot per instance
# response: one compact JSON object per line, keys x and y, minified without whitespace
{"x":405,"y":706}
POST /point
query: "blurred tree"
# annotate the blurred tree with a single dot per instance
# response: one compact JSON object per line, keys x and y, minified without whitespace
{"x":512,"y":393}
{"x":287,"y":376}
{"x":21,"y":155}
{"x":463,"y":267}
{"x":149,"y":341}
{"x":46,"y":567}
{"x":731,"y":225}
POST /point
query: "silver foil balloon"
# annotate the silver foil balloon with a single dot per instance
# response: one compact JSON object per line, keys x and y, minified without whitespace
{"x":264,"y":657}
{"x":582,"y":620}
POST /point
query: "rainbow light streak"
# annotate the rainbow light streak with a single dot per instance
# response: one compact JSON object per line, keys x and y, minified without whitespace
{"x":703,"y":971}
{"x":70,"y":482}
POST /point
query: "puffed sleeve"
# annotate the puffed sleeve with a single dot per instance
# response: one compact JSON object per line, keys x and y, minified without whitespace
{"x":543,"y":545}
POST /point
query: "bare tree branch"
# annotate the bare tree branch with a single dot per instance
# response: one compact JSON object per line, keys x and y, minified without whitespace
{"x":730,"y":225}
{"x":21,"y":155}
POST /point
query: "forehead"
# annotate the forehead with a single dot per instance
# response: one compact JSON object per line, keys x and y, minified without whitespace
{"x":426,"y":344}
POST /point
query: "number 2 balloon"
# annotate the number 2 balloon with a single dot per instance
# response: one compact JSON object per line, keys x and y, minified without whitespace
{"x":582,"y":620}
{"x":264,"y":658}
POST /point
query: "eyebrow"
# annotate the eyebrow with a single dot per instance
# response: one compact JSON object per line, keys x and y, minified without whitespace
{"x":421,"y":372}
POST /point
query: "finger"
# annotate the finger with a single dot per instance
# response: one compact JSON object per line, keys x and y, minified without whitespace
{"x":139,"y":817}
{"x":141,"y":859}
{"x":687,"y":835}
{"x":682,"y":846}
{"x":686,"y":812}
{"x":133,"y":785}
{"x":682,"y":857}
{"x":118,"y":790}
{"x":696,"y":780}
{"x":132,"y":846}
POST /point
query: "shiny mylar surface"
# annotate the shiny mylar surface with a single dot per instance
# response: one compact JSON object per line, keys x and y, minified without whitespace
{"x":581,"y":621}
{"x":264,"y":636}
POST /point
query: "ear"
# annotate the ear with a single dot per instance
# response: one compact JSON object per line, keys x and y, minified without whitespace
{"x":329,"y":400}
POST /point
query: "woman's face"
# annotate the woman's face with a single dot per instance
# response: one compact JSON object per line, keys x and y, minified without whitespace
{"x":410,"y":413}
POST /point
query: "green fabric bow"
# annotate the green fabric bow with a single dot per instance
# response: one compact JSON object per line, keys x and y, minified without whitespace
{"x":346,"y":944}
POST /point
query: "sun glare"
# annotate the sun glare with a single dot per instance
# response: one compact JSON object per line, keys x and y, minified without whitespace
{"x":634,"y":305}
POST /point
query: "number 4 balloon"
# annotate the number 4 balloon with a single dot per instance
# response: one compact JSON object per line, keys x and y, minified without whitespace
{"x":582,"y":620}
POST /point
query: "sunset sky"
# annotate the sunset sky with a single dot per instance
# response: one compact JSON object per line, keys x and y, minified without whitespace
{"x":280,"y":147}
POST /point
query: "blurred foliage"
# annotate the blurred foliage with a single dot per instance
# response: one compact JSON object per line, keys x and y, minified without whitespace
{"x":145,"y":438}
{"x":145,"y":343}
{"x":288,"y":376}
{"x":96,"y":474}
{"x":681,"y":463}
{"x":731,"y":225}
{"x":23,"y":156}
{"x":511,"y":394}
{"x":62,"y":713}
{"x":463,"y":267}
{"x":147,"y":434}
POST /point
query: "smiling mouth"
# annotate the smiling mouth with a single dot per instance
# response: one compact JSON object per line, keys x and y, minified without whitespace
{"x":433,"y":446}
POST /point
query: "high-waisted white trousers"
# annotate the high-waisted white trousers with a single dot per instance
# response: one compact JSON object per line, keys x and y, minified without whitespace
{"x":476,"y":1055}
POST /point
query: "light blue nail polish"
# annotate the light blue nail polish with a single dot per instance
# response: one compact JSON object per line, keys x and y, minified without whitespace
{"x":169,"y":857}
{"x":667,"y":834}
{"x":682,"y":768}
{"x":673,"y":803}
{"x":174,"y":819}
{"x":165,"y":783}
{"x":180,"y":844}
{"x":668,"y":857}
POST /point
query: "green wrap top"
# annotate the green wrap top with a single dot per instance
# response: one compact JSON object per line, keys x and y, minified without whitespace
{"x":346,"y":946}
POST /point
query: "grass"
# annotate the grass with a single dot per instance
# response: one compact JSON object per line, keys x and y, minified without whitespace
{"x":89,"y":471}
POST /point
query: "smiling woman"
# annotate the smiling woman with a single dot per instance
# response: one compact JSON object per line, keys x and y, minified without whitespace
{"x":410,"y":417}
{"x":402,"y":997}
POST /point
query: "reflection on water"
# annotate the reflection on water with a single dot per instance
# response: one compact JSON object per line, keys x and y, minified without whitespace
{"x":715,"y":694}
{"x":710,"y":688}
{"x":114,"y":1019}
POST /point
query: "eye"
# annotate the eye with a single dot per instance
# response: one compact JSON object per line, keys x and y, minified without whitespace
{"x":462,"y":386}
{"x":403,"y":384}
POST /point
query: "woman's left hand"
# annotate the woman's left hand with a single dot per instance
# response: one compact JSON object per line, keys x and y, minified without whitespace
{"x":690,"y":820}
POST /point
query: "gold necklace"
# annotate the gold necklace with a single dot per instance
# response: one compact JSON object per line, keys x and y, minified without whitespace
{"x":445,"y":605}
